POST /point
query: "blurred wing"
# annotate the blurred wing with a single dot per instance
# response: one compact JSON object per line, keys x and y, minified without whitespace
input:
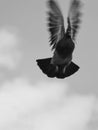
{"x":55,"y":23}
{"x":74,"y":18}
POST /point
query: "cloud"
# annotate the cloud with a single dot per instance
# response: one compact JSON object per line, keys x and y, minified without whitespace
{"x":43,"y":106}
{"x":9,"y":54}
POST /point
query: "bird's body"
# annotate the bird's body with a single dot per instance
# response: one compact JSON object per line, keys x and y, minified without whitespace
{"x":65,"y":47}
{"x":62,"y":42}
{"x":63,"y":53}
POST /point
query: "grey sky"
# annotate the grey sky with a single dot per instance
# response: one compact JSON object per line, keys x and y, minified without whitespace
{"x":29,"y":18}
{"x":24,"y":21}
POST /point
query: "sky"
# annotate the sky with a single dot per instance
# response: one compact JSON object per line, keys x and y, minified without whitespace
{"x":29,"y":100}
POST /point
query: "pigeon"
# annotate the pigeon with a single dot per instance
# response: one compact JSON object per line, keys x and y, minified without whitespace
{"x":62,"y":42}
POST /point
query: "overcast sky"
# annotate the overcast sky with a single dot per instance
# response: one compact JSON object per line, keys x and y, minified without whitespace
{"x":27,"y":20}
{"x":28,"y":98}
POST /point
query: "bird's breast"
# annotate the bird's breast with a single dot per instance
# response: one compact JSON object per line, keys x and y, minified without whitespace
{"x":58,"y":60}
{"x":65,"y":47}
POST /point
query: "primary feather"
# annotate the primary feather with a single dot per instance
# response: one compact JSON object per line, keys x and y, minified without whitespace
{"x":73,"y":19}
{"x":55,"y":23}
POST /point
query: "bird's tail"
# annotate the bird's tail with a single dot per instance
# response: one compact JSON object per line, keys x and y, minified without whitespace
{"x":70,"y":70}
{"x":46,"y":67}
{"x":74,"y":18}
{"x":51,"y":71}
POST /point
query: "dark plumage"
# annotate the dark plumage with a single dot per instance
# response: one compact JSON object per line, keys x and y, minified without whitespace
{"x":62,"y":42}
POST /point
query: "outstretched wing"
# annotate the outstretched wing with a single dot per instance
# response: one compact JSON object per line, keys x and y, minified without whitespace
{"x":55,"y":23}
{"x":74,"y":18}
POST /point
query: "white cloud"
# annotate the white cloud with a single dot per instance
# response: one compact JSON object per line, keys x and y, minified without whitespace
{"x":9,"y":54}
{"x":44,"y":106}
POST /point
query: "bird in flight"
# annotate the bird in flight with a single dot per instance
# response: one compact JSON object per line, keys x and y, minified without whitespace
{"x":62,"y":41}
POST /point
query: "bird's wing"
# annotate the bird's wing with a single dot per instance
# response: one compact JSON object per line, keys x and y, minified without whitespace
{"x":55,"y":23}
{"x":74,"y":18}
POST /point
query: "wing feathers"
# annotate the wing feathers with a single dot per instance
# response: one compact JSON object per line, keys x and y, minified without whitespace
{"x":55,"y":23}
{"x":74,"y":17}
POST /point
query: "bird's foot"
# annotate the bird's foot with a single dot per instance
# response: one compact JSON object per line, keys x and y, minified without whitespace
{"x":56,"y":68}
{"x":64,"y":69}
